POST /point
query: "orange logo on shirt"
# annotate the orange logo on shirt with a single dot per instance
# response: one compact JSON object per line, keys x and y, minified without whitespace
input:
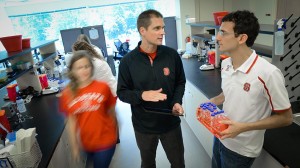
{"x":247,"y":87}
{"x":166,"y":71}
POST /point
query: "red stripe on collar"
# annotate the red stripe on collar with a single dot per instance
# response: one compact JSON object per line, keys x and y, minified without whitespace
{"x":252,"y":64}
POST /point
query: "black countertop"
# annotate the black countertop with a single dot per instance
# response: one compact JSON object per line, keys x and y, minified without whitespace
{"x":209,"y":82}
{"x":48,"y":122}
{"x":282,"y":143}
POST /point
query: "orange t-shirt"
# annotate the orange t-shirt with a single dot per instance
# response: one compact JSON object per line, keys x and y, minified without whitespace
{"x":150,"y":55}
{"x":96,"y":127}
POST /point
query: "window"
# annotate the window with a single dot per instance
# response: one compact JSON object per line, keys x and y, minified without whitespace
{"x":118,"y":20}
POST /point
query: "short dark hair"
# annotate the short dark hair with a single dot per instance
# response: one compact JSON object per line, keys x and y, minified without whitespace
{"x":144,"y":19}
{"x":245,"y":23}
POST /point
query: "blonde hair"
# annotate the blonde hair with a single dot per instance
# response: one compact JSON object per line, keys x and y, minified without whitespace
{"x":77,"y":55}
{"x":82,"y":45}
{"x":85,"y":38}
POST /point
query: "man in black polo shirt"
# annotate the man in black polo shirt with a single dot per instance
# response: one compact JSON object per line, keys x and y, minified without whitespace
{"x":151,"y":78}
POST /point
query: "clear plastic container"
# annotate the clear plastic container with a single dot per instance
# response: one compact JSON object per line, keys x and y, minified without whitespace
{"x":20,"y":105}
{"x":200,"y":112}
{"x":212,"y":118}
{"x":279,"y":42}
{"x":29,"y":158}
{"x":206,"y":115}
{"x":56,"y":72}
{"x":219,"y":126}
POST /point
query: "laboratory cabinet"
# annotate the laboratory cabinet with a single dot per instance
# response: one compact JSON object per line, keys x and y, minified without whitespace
{"x":43,"y":52}
{"x":62,"y":156}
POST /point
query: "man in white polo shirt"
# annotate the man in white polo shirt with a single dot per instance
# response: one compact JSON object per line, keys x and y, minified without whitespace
{"x":252,"y":89}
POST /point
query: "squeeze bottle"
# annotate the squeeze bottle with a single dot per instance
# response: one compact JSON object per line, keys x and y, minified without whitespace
{"x":279,"y":38}
{"x":20,"y":104}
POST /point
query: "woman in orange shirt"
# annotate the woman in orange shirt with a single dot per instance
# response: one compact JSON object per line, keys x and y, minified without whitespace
{"x":90,"y":108}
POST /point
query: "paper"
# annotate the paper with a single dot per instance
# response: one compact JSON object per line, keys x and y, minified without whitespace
{"x":93,"y":34}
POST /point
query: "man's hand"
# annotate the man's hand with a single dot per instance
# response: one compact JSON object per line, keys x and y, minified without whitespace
{"x":154,"y":95}
{"x":177,"y":110}
{"x":234,"y":129}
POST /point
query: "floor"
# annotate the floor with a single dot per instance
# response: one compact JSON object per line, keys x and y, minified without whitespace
{"x":127,"y":153}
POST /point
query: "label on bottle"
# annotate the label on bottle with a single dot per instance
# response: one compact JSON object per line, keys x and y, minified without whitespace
{"x":279,"y":43}
{"x":20,"y":105}
{"x":56,"y":72}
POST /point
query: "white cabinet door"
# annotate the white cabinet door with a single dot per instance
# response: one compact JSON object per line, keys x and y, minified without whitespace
{"x":266,"y":160}
{"x":59,"y":156}
{"x":62,"y":156}
{"x":184,"y":102}
{"x":193,"y":98}
{"x":67,"y":147}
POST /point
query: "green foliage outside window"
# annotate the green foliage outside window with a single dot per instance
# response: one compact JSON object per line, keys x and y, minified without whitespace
{"x":119,"y":21}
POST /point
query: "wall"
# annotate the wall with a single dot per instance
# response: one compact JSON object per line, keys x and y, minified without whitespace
{"x":261,"y":8}
{"x":184,"y":9}
{"x":204,"y":10}
{"x":240,"y":5}
{"x":287,"y":7}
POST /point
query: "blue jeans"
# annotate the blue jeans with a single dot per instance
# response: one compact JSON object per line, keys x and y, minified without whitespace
{"x":172,"y":143}
{"x":101,"y":159}
{"x":225,"y":158}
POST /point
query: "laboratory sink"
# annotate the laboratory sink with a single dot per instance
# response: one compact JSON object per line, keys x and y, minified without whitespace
{"x":296,"y":118}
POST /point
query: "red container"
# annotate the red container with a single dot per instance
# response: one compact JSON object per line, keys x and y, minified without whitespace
{"x":219,"y":14}
{"x":220,"y":19}
{"x":44,"y":81}
{"x":12,"y":43}
{"x":223,"y":56}
{"x":26,"y":43}
{"x":12,"y":92}
{"x":5,"y":123}
{"x":211,"y":57}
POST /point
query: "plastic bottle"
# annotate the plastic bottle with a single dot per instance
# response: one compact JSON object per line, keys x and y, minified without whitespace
{"x":207,"y":115}
{"x":214,"y":121}
{"x":20,"y":104}
{"x":56,"y":72}
{"x":49,"y":73}
{"x":200,"y":112}
{"x":279,"y":38}
{"x":219,"y":126}
{"x":212,"y":118}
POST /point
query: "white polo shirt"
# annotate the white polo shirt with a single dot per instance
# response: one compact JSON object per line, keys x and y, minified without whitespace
{"x":252,"y":92}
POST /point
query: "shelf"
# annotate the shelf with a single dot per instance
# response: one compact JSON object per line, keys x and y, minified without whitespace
{"x":263,"y":50}
{"x":45,"y":57}
{"x":198,"y":32}
{"x":266,"y":29}
{"x":4,"y":55}
{"x":207,"y":37}
{"x":20,"y":73}
{"x":47,"y":46}
{"x":210,"y":24}
{"x":260,"y":49}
